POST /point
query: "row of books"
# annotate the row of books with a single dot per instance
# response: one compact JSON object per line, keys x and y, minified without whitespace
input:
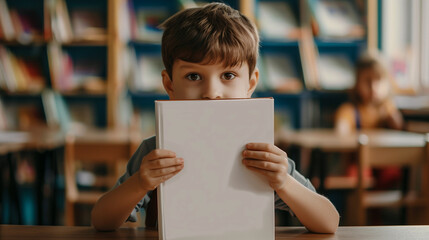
{"x":277,"y":20}
{"x":337,"y":19}
{"x":22,"y":25}
{"x":80,"y":24}
{"x":19,"y":74}
{"x":144,"y":71}
{"x":331,"y":19}
{"x":57,"y":21}
{"x":141,"y":23}
{"x":278,"y":72}
{"x":68,"y":75}
{"x":24,"y":74}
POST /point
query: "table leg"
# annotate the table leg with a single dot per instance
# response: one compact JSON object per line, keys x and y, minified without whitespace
{"x":56,"y":156}
{"x":3,"y":159}
{"x":40,"y":193}
{"x":13,"y":189}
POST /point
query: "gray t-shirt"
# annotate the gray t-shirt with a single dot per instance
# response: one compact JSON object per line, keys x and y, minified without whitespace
{"x":150,"y":144}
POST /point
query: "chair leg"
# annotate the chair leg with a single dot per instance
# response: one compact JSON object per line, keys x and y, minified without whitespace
{"x":69,"y":214}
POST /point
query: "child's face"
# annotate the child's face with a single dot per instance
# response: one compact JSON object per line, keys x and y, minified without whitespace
{"x":372,"y":87}
{"x":210,"y":81}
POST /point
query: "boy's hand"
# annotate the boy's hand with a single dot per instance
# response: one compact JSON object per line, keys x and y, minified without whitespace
{"x":157,"y":167}
{"x":267,"y":160}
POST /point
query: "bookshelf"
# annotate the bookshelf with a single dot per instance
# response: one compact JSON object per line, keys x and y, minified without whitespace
{"x":102,"y":55}
{"x":61,"y":46}
{"x":324,"y":40}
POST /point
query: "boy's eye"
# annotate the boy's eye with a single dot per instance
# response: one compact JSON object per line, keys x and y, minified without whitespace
{"x":228,"y":76}
{"x":193,"y":77}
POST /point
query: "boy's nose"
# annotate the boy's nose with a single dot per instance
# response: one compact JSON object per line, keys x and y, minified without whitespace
{"x":212,"y":91}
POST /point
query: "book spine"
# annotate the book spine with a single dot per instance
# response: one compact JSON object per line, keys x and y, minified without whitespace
{"x":159,"y":145}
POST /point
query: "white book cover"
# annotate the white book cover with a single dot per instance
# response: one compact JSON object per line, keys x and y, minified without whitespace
{"x":215,"y":196}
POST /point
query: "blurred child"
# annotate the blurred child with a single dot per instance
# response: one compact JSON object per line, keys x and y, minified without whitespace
{"x":371,"y":107}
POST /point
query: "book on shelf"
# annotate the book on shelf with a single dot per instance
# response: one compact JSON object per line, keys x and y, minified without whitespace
{"x":7,"y":29}
{"x":124,"y":20}
{"x":281,"y":73}
{"x":147,"y":22}
{"x":211,"y":135}
{"x":60,"y":67}
{"x":20,"y":74}
{"x":3,"y":119}
{"x":277,"y":21}
{"x":336,"y":72}
{"x":262,"y":82}
{"x":27,"y":25}
{"x":146,"y":73}
{"x":337,"y":19}
{"x":308,"y":53}
{"x":69,"y":75}
{"x":88,"y":25}
{"x":87,"y":74}
{"x":60,"y":24}
{"x":55,"y":109}
{"x":185,"y":4}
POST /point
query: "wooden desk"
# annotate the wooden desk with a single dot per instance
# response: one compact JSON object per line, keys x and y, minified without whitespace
{"x":329,"y":140}
{"x":18,"y":232}
{"x":316,"y":141}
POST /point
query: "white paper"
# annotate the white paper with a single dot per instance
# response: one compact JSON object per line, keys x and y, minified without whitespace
{"x":215,"y":196}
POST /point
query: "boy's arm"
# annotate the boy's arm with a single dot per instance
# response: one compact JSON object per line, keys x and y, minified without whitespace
{"x":314,"y":211}
{"x":113,"y":209}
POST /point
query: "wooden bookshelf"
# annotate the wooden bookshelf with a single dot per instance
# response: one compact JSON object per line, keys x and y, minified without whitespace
{"x":82,"y":32}
{"x":117,"y":25}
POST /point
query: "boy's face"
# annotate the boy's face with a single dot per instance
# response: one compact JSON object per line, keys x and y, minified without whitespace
{"x":210,"y":81}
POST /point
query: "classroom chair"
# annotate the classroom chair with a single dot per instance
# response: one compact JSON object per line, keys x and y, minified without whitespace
{"x":104,"y":148}
{"x":374,"y":153}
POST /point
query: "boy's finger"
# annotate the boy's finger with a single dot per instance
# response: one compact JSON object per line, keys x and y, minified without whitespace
{"x":168,"y":176}
{"x":266,"y":147}
{"x":160,"y":153}
{"x":164,"y":162}
{"x":265,"y":173}
{"x":261,"y":155}
{"x":166,"y":171}
{"x":263,"y":165}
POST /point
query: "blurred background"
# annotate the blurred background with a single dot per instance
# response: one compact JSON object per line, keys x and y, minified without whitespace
{"x":78,"y":80}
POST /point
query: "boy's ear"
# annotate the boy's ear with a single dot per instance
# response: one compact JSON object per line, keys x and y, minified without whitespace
{"x":253,"y":82}
{"x":167,"y":83}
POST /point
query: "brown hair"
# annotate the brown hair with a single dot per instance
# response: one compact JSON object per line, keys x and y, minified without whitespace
{"x":209,"y":34}
{"x":367,"y":61}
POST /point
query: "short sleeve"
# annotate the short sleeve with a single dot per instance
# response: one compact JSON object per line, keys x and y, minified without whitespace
{"x":279,"y":204}
{"x":132,"y":167}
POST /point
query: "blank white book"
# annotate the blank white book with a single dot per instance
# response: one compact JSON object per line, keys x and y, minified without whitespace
{"x":215,"y":196}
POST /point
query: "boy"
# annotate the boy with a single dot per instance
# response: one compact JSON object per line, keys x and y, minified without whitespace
{"x":211,"y":53}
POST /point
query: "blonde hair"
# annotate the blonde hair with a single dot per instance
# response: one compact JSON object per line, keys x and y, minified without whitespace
{"x":209,"y":34}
